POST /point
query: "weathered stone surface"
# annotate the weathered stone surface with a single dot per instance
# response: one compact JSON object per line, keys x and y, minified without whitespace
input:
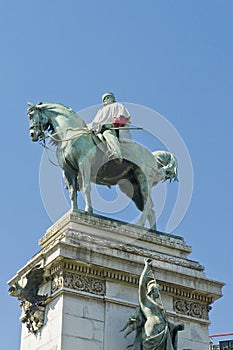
{"x":94,"y":265}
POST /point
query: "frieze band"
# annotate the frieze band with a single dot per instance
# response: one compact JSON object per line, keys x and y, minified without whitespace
{"x":74,"y":281}
{"x":58,"y":271}
{"x":190,"y":308}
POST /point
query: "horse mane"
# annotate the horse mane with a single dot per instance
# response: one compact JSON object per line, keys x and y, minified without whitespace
{"x":60,"y":109}
{"x":56,"y":107}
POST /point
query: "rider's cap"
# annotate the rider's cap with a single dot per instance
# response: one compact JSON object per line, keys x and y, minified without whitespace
{"x":108,"y":94}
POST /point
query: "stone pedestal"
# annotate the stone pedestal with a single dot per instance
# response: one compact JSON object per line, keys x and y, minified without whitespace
{"x":93,"y":266}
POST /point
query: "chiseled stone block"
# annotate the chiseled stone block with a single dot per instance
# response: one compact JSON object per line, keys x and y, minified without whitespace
{"x":77,"y":327}
{"x":73,"y":306}
{"x":98,"y":332}
{"x":116,"y":317}
{"x":72,"y":343}
{"x":93,"y":309}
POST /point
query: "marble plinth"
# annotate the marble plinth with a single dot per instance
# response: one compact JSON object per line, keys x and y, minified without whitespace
{"x":93,"y":266}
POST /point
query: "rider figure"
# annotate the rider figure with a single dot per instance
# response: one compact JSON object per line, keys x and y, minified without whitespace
{"x":112,"y":115}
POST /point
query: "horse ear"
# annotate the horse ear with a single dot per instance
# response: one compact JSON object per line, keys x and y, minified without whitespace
{"x":30,"y":104}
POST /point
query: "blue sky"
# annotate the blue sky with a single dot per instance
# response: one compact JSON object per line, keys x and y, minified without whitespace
{"x":174,"y":57}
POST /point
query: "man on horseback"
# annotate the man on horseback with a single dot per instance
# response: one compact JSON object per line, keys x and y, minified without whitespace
{"x":111,"y":116}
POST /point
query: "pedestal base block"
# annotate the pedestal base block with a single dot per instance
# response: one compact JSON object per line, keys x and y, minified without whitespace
{"x":94,"y":264}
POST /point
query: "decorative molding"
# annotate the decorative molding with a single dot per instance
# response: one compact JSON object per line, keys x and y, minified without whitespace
{"x":57,"y":282}
{"x":54,"y":229}
{"x":81,"y":238}
{"x":130,"y":230}
{"x":84,"y":283}
{"x":78,"y":282}
{"x":56,"y":239}
{"x":171,"y":289}
{"x":191,"y":308}
{"x":67,"y":267}
{"x":119,"y":227}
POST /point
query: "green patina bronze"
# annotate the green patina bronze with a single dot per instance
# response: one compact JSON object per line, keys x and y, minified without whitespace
{"x":83,"y":158}
{"x":153,"y":329}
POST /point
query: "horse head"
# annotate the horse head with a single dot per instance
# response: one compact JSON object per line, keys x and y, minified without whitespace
{"x":39,"y":122}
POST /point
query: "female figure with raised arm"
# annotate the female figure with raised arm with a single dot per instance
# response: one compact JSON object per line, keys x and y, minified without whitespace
{"x":153,"y":330}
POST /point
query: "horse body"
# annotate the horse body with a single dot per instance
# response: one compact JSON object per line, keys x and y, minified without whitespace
{"x":82,"y":157}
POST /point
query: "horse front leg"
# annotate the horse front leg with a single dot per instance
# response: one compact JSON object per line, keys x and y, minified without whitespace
{"x":143,"y":217}
{"x":148,"y":214}
{"x":72,"y":186}
{"x":73,"y":194}
{"x":85,"y":173}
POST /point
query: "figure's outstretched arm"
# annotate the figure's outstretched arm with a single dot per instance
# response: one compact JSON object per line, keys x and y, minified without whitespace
{"x":143,"y":281}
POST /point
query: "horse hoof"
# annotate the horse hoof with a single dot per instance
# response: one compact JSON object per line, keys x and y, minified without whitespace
{"x":153,"y":228}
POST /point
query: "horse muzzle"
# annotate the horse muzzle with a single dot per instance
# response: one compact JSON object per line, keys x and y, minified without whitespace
{"x":34,"y":134}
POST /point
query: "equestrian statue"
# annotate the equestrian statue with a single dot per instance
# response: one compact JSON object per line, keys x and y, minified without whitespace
{"x":97,"y":153}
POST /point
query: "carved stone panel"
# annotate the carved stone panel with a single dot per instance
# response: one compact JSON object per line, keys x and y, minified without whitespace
{"x":78,"y":282}
{"x":191,"y":308}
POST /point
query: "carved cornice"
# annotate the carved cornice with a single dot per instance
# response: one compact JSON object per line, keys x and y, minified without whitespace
{"x":82,"y":238}
{"x":72,"y":275}
{"x":93,"y":271}
{"x":132,"y":231}
{"x":191,"y":295}
{"x":191,"y":308}
{"x":54,"y":230}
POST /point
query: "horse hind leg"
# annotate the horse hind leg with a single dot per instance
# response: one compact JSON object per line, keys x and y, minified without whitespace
{"x":144,"y":189}
{"x":151,"y":217}
{"x":144,"y":215}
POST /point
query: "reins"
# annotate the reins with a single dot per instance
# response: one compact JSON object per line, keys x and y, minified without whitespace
{"x":71,"y":138}
{"x":46,"y":148}
{"x":43,"y":141}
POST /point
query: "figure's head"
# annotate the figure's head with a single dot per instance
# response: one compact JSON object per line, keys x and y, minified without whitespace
{"x":153,"y":289}
{"x":108,"y":98}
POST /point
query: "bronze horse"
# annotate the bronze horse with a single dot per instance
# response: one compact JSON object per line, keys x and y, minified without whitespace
{"x":82,"y":156}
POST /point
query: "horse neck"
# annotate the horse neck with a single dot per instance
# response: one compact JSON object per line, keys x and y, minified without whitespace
{"x":64,"y":123}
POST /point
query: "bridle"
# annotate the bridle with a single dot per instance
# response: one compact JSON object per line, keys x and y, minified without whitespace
{"x":42,"y":133}
{"x":38,"y":125}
